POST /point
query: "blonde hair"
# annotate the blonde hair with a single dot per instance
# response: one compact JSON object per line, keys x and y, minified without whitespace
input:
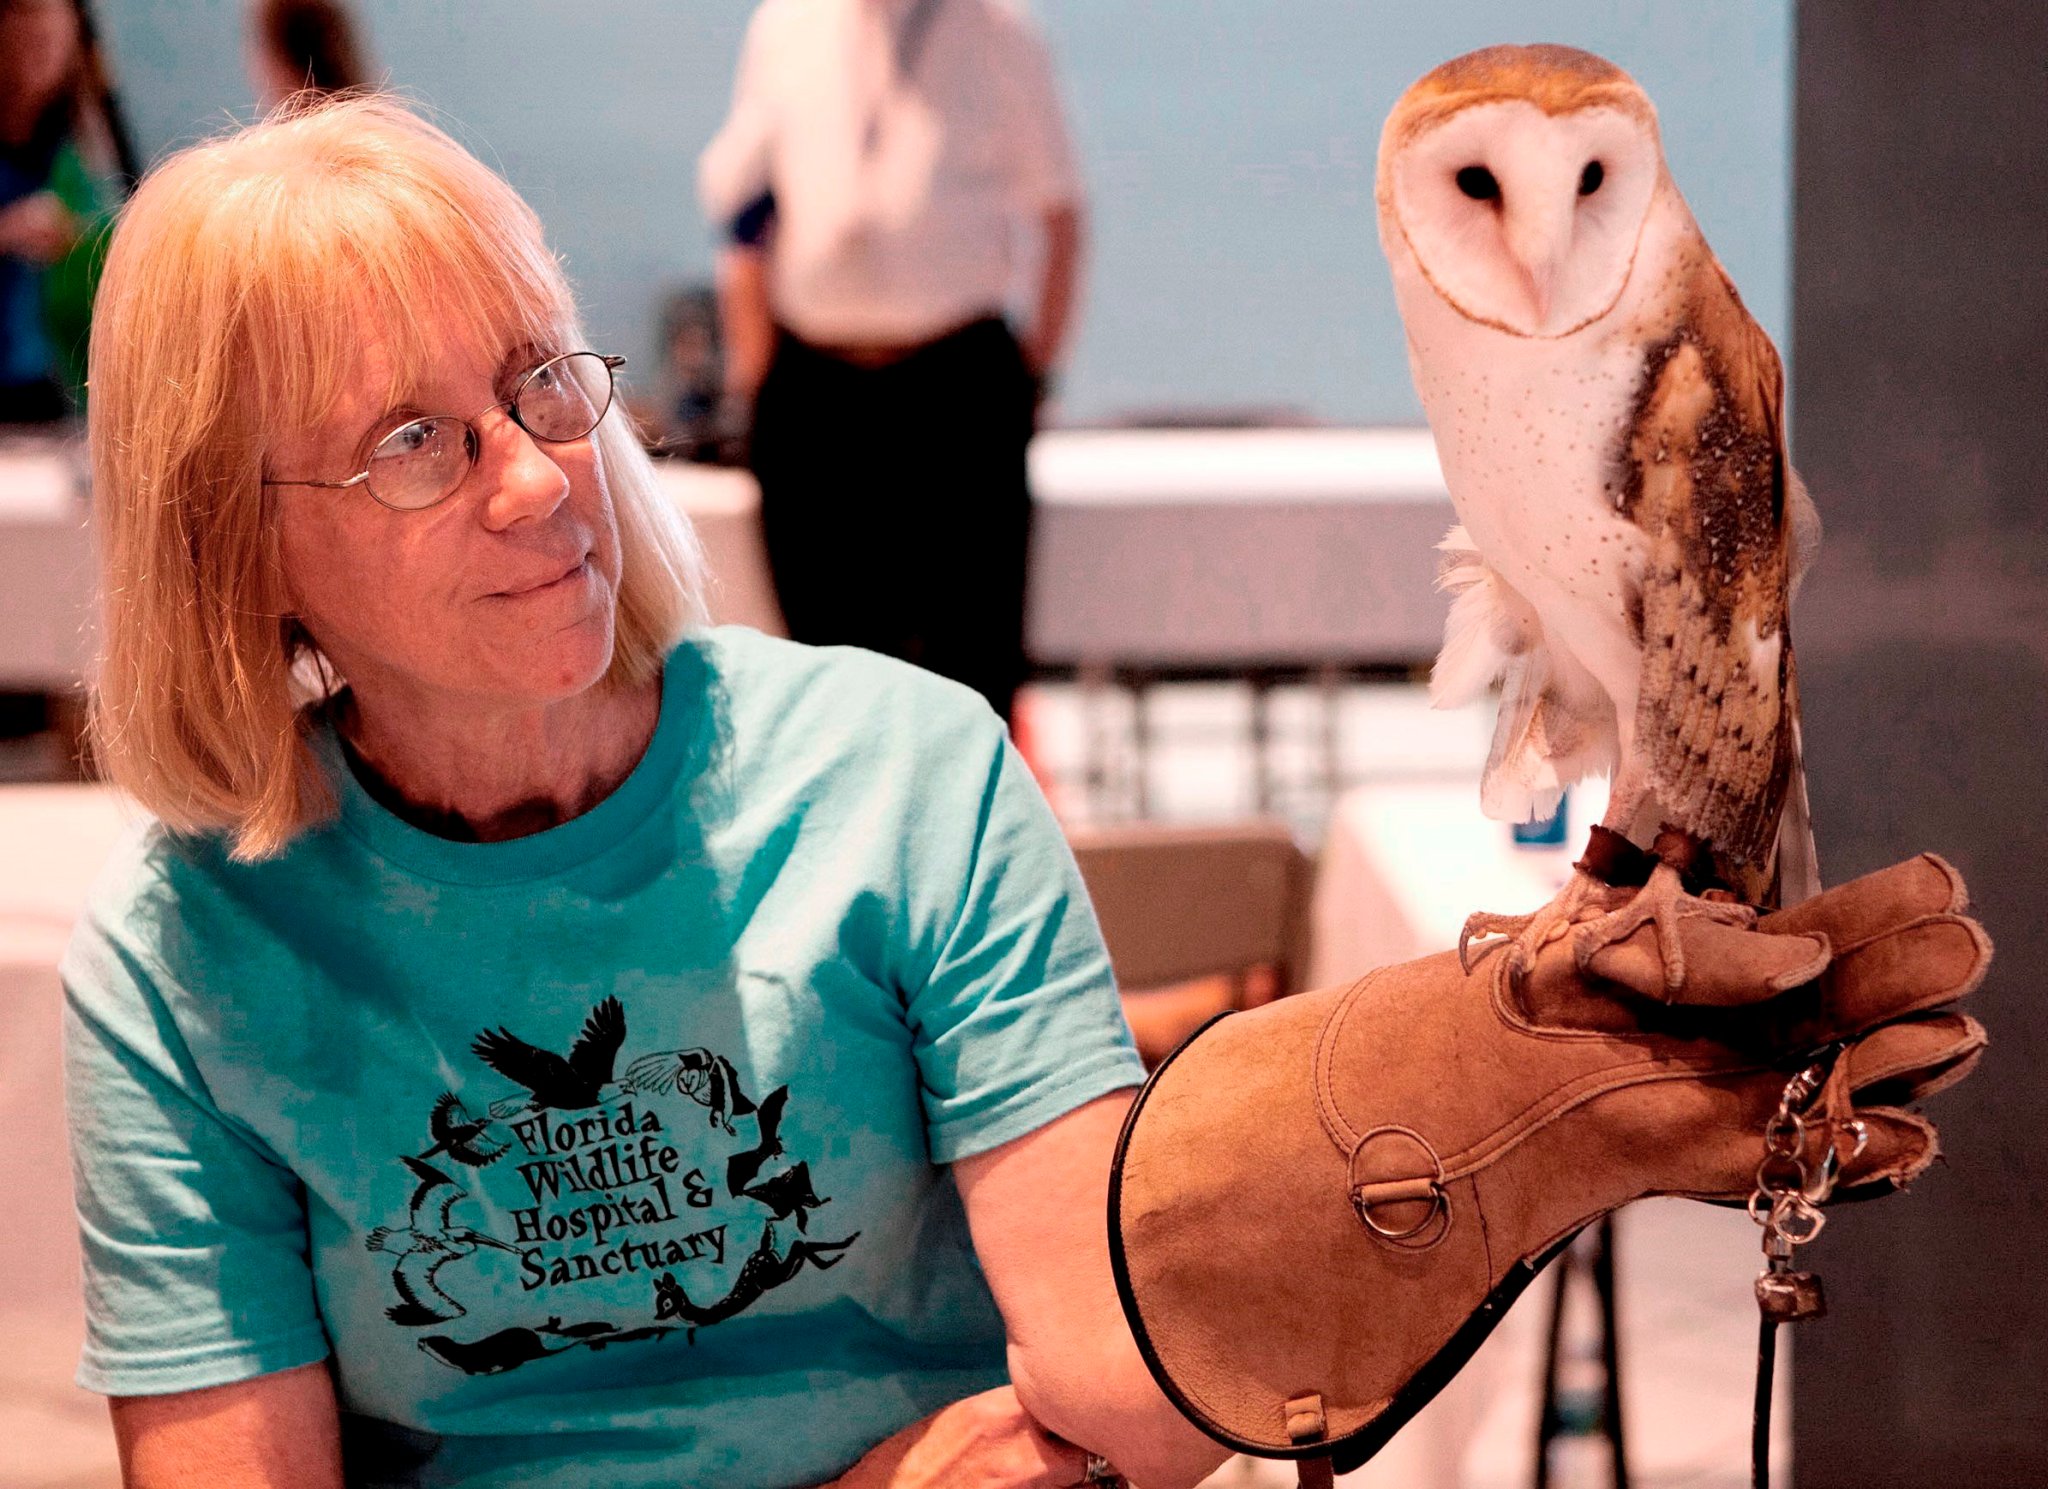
{"x":230,"y":314}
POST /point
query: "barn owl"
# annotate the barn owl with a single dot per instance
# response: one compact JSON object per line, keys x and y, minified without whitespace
{"x":1609,"y":421}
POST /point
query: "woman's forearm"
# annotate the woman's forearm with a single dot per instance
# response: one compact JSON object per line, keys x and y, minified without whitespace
{"x":1112,"y":1406}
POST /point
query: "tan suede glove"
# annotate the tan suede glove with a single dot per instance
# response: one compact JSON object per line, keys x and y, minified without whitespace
{"x":1320,"y":1208}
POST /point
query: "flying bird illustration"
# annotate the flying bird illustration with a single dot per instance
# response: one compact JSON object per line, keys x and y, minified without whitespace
{"x":429,"y":1242}
{"x":459,"y":1135}
{"x":1610,"y":423}
{"x":706,"y":1078}
{"x":788,"y":1195}
{"x":556,"y":1083}
{"x":742,"y":1168}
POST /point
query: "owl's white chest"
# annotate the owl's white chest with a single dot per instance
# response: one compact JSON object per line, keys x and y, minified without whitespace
{"x":1530,"y":443}
{"x":1530,"y":434}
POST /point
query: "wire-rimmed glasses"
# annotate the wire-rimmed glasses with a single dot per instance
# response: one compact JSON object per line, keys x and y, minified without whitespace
{"x":422,"y":462}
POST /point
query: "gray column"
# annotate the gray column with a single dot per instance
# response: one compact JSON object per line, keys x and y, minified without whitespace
{"x":1920,"y":420}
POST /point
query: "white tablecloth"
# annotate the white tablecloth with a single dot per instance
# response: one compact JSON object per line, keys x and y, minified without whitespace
{"x":1405,"y":862}
{"x":1213,"y":549}
{"x":53,"y":840}
{"x":46,"y":573}
{"x":1228,"y":549}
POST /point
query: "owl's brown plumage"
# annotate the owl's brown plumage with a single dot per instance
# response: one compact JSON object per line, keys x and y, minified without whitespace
{"x":1704,"y":476}
{"x":1556,"y":79}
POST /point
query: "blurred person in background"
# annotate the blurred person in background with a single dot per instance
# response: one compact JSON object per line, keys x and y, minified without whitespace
{"x":62,"y":155}
{"x":880,"y":164}
{"x":297,"y":45}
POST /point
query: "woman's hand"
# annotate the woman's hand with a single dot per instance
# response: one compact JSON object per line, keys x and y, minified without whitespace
{"x":984,"y":1442}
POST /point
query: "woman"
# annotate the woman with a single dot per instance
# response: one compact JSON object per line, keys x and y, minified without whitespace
{"x":540,"y":1040}
{"x":61,"y":152}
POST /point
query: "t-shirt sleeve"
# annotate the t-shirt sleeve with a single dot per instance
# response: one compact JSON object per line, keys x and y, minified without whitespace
{"x":193,"y":1234}
{"x":735,"y":170}
{"x":1045,"y":174}
{"x":1017,"y":1021}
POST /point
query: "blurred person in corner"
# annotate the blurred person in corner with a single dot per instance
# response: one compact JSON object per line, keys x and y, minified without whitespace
{"x":880,"y":163}
{"x":296,"y":46}
{"x":60,"y":157}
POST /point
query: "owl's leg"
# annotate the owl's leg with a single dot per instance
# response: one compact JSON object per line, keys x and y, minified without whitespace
{"x":1661,"y":903}
{"x":1526,"y":935}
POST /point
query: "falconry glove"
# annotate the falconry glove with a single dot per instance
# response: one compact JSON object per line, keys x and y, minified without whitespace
{"x":1320,"y":1208}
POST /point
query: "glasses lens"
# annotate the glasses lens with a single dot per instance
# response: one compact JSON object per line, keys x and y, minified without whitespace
{"x":421,"y":463}
{"x":563,"y":399}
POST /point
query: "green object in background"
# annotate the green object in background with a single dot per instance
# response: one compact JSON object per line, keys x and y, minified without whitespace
{"x":70,"y":283}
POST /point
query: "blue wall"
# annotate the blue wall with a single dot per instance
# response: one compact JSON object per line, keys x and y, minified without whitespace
{"x":1228,"y":146}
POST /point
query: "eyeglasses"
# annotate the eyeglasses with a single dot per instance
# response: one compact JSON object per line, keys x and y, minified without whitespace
{"x":422,"y":463}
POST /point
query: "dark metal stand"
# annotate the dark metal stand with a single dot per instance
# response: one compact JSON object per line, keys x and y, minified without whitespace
{"x":1552,"y":1422}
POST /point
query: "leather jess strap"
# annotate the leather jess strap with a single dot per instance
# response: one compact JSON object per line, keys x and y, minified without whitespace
{"x":1307,"y":1424}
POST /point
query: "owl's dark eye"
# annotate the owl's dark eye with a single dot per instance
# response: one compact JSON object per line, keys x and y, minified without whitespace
{"x":1591,"y":177}
{"x":1477,"y":182}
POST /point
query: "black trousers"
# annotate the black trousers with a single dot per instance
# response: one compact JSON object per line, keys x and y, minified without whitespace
{"x":894,"y":504}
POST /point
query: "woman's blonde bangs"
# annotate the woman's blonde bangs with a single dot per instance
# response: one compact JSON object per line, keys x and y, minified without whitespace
{"x":233,"y":311}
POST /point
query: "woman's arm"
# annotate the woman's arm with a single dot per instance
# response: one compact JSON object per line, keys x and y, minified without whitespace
{"x":1039,"y":1209}
{"x":277,"y":1431}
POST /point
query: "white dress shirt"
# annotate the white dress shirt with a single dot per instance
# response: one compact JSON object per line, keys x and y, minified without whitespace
{"x":897,"y":198}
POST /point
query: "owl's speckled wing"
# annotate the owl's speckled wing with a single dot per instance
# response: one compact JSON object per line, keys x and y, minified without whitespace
{"x":1705,"y":477}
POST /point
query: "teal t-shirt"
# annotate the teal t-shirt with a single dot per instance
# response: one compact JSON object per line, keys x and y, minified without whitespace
{"x":613,"y":1154}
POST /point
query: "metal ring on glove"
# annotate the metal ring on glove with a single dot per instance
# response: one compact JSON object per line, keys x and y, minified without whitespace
{"x":1368,"y":1194}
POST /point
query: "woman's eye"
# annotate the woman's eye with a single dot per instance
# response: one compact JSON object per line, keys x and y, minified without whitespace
{"x":408,"y":439}
{"x":1591,"y":177}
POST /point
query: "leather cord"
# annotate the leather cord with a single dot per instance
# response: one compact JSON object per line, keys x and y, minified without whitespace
{"x":1760,"y":1418}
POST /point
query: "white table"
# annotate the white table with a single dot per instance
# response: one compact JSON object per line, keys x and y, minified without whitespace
{"x":53,"y":840}
{"x":1406,"y":861}
{"x":1210,"y":550}
{"x":1226,"y":550}
{"x":724,"y":506}
{"x":46,"y":571}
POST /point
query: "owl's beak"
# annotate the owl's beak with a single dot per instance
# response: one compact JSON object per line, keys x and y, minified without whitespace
{"x":1537,"y":280}
{"x":1537,"y":241}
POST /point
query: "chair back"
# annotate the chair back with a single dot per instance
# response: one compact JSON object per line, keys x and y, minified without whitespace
{"x":1195,"y":908}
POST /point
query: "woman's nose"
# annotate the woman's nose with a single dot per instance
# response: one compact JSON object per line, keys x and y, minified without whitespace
{"x":525,"y":481}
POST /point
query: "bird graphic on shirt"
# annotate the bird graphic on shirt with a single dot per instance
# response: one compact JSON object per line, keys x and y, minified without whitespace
{"x":555,"y":1082}
{"x":743,"y":1167}
{"x":430,"y":1241}
{"x":788,"y":1195}
{"x":460,"y":1135}
{"x":1610,"y":424}
{"x":707,"y":1078}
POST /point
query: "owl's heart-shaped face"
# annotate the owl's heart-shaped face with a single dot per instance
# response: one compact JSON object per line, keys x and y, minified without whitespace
{"x":1527,"y":220}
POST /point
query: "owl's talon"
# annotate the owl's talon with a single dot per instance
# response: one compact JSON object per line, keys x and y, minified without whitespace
{"x":1491,"y":937}
{"x":1523,"y":936}
{"x":1661,"y":904}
